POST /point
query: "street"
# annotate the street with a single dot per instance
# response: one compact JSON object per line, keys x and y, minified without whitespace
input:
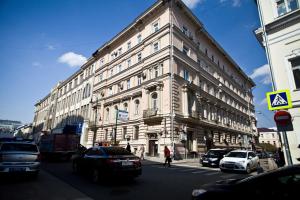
{"x":56,"y":181}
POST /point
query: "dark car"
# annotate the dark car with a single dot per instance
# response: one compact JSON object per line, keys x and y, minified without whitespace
{"x":212,"y":157}
{"x":106,"y":162}
{"x":19,"y":156}
{"x":283,"y":183}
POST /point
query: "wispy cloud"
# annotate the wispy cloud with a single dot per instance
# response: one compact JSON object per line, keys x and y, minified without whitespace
{"x":263,"y":102}
{"x":192,"y":3}
{"x":263,"y":72}
{"x":36,"y":64}
{"x":72,"y":59}
{"x":234,"y":3}
{"x":50,"y":47}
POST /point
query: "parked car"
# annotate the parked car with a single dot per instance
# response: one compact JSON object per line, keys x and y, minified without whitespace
{"x":105,"y":162}
{"x":282,"y":183}
{"x":212,"y":157}
{"x":19,"y":156}
{"x":262,"y":154}
{"x":240,"y":160}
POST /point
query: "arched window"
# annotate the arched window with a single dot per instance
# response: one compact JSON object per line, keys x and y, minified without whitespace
{"x":116,"y":112}
{"x":125,"y":105}
{"x":136,"y":107}
{"x":107,"y":114}
{"x":154,"y":101}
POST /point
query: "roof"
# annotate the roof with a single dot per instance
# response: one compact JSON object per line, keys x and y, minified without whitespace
{"x":260,"y":130}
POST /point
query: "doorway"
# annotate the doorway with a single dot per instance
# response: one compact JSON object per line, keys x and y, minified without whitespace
{"x":153,"y":147}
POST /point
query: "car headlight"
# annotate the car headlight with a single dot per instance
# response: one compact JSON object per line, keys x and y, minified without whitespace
{"x":198,"y":192}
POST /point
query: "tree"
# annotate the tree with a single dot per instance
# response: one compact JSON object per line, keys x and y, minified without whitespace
{"x":268,"y":147}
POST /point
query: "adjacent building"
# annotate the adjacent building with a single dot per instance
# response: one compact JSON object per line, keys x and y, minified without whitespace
{"x":179,"y":87}
{"x":279,"y":34}
{"x":269,"y":136}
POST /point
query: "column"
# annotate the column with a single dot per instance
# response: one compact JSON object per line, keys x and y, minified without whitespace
{"x":185,"y":101}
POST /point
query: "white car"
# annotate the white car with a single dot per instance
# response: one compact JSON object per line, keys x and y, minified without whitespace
{"x":240,"y":160}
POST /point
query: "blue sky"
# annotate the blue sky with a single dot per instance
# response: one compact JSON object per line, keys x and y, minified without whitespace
{"x":43,"y":42}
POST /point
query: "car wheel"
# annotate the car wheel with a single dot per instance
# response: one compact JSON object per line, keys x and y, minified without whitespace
{"x":96,"y":176}
{"x":248,"y":169}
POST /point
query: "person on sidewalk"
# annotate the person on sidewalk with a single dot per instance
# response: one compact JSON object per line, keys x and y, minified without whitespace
{"x":128,"y":148}
{"x":142,"y":149}
{"x":279,"y":158}
{"x":167,"y":156}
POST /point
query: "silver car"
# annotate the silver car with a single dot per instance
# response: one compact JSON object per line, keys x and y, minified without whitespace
{"x":19,"y":157}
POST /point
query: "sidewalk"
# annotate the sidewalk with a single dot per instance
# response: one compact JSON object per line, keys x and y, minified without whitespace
{"x":267,"y":164}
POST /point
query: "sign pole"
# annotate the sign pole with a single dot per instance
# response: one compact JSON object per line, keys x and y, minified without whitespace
{"x":287,"y":149}
{"x":115,"y":136}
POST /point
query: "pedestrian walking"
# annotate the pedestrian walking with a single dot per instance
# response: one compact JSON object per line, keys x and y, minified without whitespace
{"x":128,"y":148}
{"x":167,"y":156}
{"x":142,"y":149}
{"x":279,"y":158}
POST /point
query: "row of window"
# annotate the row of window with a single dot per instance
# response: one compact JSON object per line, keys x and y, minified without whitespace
{"x":124,"y":133}
{"x":77,"y":81}
{"x":73,"y":116}
{"x":152,"y":72}
{"x":285,"y":6}
{"x":75,"y":97}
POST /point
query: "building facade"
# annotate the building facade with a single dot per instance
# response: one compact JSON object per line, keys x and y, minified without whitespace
{"x":269,"y":136}
{"x":179,"y":87}
{"x":280,"y":36}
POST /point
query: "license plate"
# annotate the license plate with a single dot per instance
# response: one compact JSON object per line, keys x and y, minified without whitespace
{"x":19,"y":169}
{"x":127,"y":163}
{"x":205,"y":161}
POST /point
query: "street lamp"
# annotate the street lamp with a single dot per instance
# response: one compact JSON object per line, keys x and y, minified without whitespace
{"x":95,"y":108}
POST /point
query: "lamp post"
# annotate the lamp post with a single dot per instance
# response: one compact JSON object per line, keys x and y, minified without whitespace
{"x":95,"y":108}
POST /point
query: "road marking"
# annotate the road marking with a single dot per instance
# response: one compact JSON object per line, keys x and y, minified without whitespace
{"x":186,"y":170}
{"x":211,"y":173}
{"x":199,"y":172}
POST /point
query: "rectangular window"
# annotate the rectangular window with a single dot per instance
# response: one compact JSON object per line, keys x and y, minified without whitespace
{"x":129,"y":62}
{"x":106,"y":134}
{"x":296,"y":71}
{"x":124,"y":132}
{"x":155,"y":26}
{"x":139,"y":38}
{"x":185,"y":50}
{"x":139,"y":79}
{"x":285,"y":6}
{"x":155,"y":47}
{"x":101,"y":77}
{"x":112,"y":72}
{"x":139,"y":57}
{"x":120,"y":51}
{"x":136,"y":133}
{"x":156,"y":72}
{"x":120,"y":68}
{"x":185,"y":30}
{"x":128,"y":84}
{"x":128,"y":45}
{"x":186,"y":75}
{"x":110,"y":92}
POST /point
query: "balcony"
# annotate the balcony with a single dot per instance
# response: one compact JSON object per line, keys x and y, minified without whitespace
{"x":151,"y":115}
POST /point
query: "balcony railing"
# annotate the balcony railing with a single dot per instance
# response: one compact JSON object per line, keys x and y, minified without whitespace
{"x":149,"y":113}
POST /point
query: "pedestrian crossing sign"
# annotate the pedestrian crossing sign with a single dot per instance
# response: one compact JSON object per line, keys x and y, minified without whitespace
{"x":280,"y":99}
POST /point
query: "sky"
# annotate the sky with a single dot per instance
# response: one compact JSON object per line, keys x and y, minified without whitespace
{"x":44,"y":42}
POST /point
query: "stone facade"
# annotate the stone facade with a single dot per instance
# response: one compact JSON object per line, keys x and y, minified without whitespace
{"x":179,"y":87}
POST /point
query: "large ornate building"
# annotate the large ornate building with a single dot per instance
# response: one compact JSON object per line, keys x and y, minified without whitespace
{"x":179,"y":87}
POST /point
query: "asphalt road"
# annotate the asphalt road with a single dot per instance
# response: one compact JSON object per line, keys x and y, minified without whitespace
{"x":156,"y":182}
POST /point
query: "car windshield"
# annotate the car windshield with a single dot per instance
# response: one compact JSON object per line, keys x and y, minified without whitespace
{"x":19,"y":147}
{"x":116,"y":151}
{"x":215,"y":153}
{"x":237,"y":154}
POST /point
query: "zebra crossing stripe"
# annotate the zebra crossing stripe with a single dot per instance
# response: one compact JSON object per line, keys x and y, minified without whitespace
{"x":199,"y":172}
{"x":212,"y":173}
{"x":187,"y":170}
